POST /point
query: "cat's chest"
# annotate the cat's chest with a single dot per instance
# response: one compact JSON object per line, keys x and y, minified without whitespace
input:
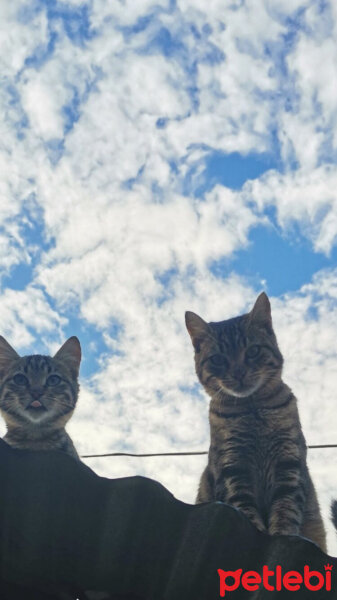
{"x":257,"y":437}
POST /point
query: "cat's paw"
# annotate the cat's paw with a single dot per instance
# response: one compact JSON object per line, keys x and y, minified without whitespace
{"x":260,"y":526}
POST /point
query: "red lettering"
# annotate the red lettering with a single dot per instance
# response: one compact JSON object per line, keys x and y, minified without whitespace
{"x":251,"y":581}
{"x":292,"y":581}
{"x":224,"y":587}
{"x":308,"y":575}
{"x":265,"y":575}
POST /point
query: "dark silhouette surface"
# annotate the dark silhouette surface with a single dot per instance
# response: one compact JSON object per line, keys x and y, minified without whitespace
{"x":65,"y":532}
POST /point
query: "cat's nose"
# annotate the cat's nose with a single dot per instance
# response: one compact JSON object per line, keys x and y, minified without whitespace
{"x":239,"y":373}
{"x":36,"y":392}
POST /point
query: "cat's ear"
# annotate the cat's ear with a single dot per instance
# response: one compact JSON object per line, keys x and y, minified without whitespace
{"x":261,"y":311}
{"x":7,"y":355}
{"x":70,"y":353}
{"x":197,"y":328}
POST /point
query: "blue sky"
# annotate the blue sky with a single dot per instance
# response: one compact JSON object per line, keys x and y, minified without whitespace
{"x":164,"y":156}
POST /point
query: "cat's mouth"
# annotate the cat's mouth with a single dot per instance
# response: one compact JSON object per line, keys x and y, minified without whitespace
{"x":36,"y":406}
{"x":241,"y":390}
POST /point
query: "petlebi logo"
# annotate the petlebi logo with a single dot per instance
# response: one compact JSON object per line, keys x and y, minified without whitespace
{"x":275,"y":580}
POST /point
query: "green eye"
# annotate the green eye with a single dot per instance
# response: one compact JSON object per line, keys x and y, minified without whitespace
{"x":253,"y":351}
{"x":20,"y":379}
{"x":218,"y":360}
{"x":53,"y":380}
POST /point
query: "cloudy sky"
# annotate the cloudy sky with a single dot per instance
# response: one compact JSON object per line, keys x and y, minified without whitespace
{"x":160,"y":156}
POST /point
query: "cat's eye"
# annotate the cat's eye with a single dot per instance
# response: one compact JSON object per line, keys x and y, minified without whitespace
{"x":20,"y":379}
{"x":53,"y":380}
{"x":253,"y":351}
{"x":218,"y":360}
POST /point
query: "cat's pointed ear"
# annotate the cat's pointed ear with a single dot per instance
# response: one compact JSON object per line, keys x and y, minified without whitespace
{"x":261,"y":311}
{"x":7,"y":355}
{"x":196,"y":327}
{"x":70,"y":353}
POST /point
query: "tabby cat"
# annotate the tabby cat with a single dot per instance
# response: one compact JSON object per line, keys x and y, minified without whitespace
{"x":38,"y":395}
{"x":257,"y":456}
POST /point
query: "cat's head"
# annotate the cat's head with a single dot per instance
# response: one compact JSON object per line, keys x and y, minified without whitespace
{"x":237,"y":356}
{"x":39,"y":390}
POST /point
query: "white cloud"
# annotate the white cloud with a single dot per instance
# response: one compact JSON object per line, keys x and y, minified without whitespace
{"x":23,"y":311}
{"x":127,"y":13}
{"x":42,"y":104}
{"x":306,"y":198}
{"x":17,"y":40}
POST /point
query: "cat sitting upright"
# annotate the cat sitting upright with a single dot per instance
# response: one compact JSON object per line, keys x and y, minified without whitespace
{"x":257,"y":457}
{"x":38,"y":395}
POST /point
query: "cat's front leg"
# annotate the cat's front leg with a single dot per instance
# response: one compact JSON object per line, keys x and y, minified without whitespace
{"x":287,"y":501}
{"x":234,"y":487}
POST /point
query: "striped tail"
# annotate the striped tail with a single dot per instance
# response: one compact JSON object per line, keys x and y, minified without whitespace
{"x":334,"y":513}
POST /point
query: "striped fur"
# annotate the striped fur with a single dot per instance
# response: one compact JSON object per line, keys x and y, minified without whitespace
{"x":334,"y":513}
{"x":38,"y":395}
{"x":257,"y":456}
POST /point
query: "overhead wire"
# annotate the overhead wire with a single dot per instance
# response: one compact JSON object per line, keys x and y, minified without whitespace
{"x":198,"y":453}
